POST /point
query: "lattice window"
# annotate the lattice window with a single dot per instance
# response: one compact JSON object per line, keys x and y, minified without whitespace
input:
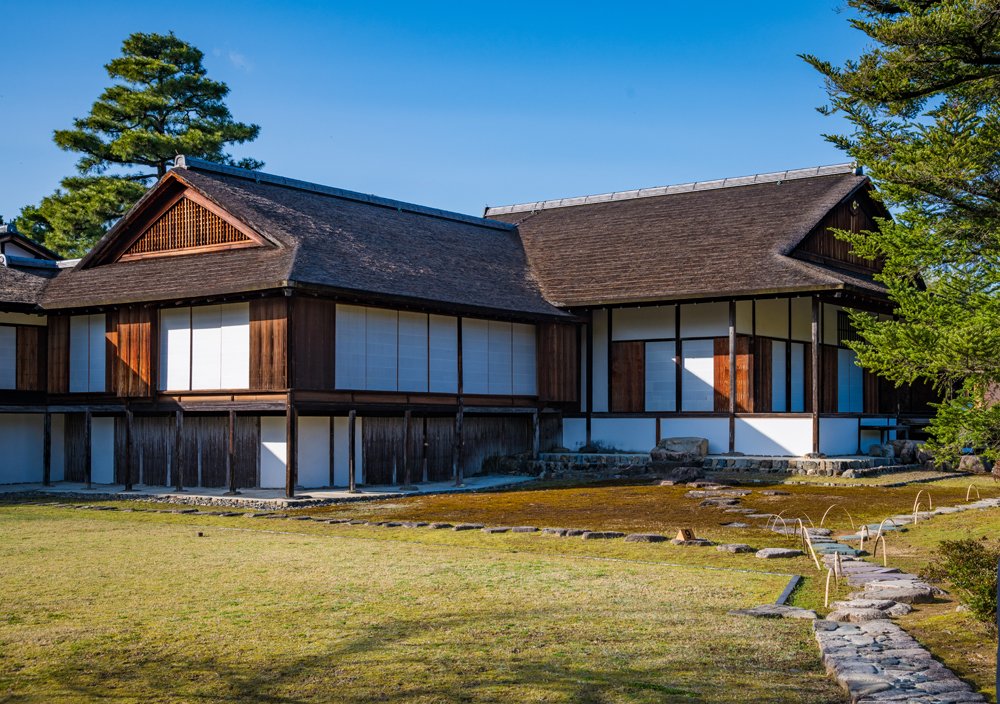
{"x":846,"y":332}
{"x":186,"y":225}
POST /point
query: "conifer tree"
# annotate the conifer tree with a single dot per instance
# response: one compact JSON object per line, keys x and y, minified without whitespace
{"x":161,"y":104}
{"x":923,"y":101}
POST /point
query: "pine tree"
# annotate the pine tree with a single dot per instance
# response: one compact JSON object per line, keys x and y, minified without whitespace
{"x":161,"y":104}
{"x":924,"y":104}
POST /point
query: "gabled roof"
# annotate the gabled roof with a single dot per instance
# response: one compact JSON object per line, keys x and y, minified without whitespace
{"x":722,"y":238}
{"x":314,"y":237}
{"x":10,"y":236}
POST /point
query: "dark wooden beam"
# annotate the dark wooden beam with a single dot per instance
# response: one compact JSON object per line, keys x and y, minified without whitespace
{"x":536,"y":435}
{"x":129,"y":454}
{"x":590,"y":377}
{"x":459,"y":444}
{"x":732,"y":376}
{"x":424,"y":475}
{"x":814,"y":381}
{"x":679,"y":361}
{"x":47,"y":450}
{"x":351,"y":417}
{"x":231,"y":455}
{"x":407,"y":424}
{"x":177,"y":464}
{"x":291,"y":448}
{"x":88,"y":464}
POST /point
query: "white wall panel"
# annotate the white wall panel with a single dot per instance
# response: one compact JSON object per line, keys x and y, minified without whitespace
{"x":744,"y":318}
{"x":849,"y":383}
{"x":341,"y":451}
{"x":779,"y":364}
{"x":21,"y":437}
{"x":443,"y":348}
{"x":381,"y":349}
{"x":625,"y":434}
{"x":314,"y":451}
{"x":23,"y":319}
{"x":649,"y":323}
{"x":102,"y":450}
{"x":705,"y":319}
{"x":574,"y":433}
{"x":698,"y":375}
{"x":838,"y":436}
{"x":661,"y":376}
{"x":774,"y":436}
{"x":234,"y":361}
{"x":475,"y":356}
{"x":98,"y":353}
{"x":600,"y":363}
{"x":206,"y":347}
{"x":802,"y":319}
{"x":8,"y":357}
{"x":829,"y":321}
{"x":715,"y":430}
{"x":273,"y":452}
{"x":79,"y":353}
{"x":175,"y":349}
{"x":500,"y":358}
{"x":58,"y":470}
{"x":350,"y":347}
{"x":797,"y":375}
{"x":523,"y":366}
{"x":772,"y":318}
{"x":412,"y":351}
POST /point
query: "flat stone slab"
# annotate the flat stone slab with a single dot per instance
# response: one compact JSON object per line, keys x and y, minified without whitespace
{"x":719,"y":502}
{"x":440,"y":526}
{"x":497,"y":529}
{"x":645,"y":538}
{"x":777,"y":553}
{"x":524,"y":529}
{"x":775,"y":611}
{"x":760,"y":515}
{"x":735,"y":524}
{"x":575,"y":532}
{"x":734,"y":547}
{"x":469,"y":526}
{"x":601,"y":535}
{"x":775,"y":492}
{"x":856,"y":615}
{"x":739,"y":510}
{"x":902,"y":596}
{"x":693,"y":543}
{"x":831,"y":548}
{"x":561,"y":532}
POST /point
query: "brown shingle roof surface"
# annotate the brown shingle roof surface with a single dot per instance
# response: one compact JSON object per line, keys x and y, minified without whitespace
{"x":712,"y":243}
{"x":22,"y":287}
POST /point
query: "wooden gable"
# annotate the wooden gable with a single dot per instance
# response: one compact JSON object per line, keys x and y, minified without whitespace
{"x":855,"y":214}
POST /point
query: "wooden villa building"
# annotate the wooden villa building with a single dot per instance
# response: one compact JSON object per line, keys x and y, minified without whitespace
{"x":240,"y":329}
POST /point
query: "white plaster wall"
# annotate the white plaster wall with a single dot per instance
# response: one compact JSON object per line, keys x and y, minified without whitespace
{"x":350,"y":347}
{"x":649,"y":323}
{"x":341,"y":450}
{"x":443,"y":353}
{"x":273,"y":452}
{"x":102,"y":450}
{"x":802,"y":319}
{"x":774,"y":436}
{"x":314,"y":451}
{"x":627,"y":434}
{"x":661,"y":376}
{"x":838,"y":436}
{"x":574,"y":433}
{"x":175,"y":349}
{"x":23,"y":319}
{"x":744,"y":318}
{"x":21,"y":437}
{"x":475,"y":356}
{"x":8,"y":357}
{"x":698,"y":375}
{"x":58,"y":469}
{"x":715,"y":430}
{"x":705,"y":319}
{"x":600,"y":361}
{"x":772,"y":318}
{"x":829,"y":322}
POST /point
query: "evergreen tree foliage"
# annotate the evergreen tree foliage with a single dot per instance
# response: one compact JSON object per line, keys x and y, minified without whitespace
{"x":924,"y":103}
{"x":160,"y":104}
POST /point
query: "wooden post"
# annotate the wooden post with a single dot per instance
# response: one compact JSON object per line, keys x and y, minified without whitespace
{"x":178,"y":465}
{"x":88,"y":465}
{"x":732,"y":376}
{"x":590,"y":378}
{"x":231,"y":456}
{"x":350,"y":451}
{"x":129,"y":475}
{"x":678,"y":360}
{"x":459,"y":443}
{"x":424,"y":476}
{"x":407,"y":465}
{"x":814,"y":380}
{"x":536,"y":435}
{"x":291,"y":448}
{"x":47,"y":450}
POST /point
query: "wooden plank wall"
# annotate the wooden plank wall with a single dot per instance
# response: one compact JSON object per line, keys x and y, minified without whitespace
{"x":821,"y":241}
{"x":75,"y":459}
{"x":314,"y":332}
{"x":870,"y":388}
{"x":131,"y":335}
{"x":628,"y":377}
{"x":558,"y":371}
{"x":744,"y":375}
{"x":268,"y":344}
{"x":763,"y":388}
{"x":32,"y":352}
{"x":807,"y":351}
{"x":828,"y":379}
{"x":58,"y":354}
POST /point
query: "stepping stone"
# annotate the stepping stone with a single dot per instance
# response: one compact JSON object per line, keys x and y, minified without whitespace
{"x":601,"y":535}
{"x":822,"y":532}
{"x":777,"y":553}
{"x":735,"y":524}
{"x":668,"y":482}
{"x":357,"y":522}
{"x":301,"y":518}
{"x":856,"y":615}
{"x":392,"y":524}
{"x":760,"y":515}
{"x":719,"y":502}
{"x":575,"y":532}
{"x":734,"y":547}
{"x":694,"y":543}
{"x":414,"y":524}
{"x":775,"y":611}
{"x":440,"y":526}
{"x":496,"y":529}
{"x":775,"y":492}
{"x":469,"y":526}
{"x":337,"y":520}
{"x":270,"y":515}
{"x":191,"y":510}
{"x":645,"y":538}
{"x":739,"y":510}
{"x":831,"y":548}
{"x":561,"y":532}
{"x":525,"y":529}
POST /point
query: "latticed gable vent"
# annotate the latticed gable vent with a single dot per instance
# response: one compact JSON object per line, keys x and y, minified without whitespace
{"x":186,"y":225}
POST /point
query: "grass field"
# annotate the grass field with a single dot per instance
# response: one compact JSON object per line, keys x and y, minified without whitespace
{"x":135,"y":607}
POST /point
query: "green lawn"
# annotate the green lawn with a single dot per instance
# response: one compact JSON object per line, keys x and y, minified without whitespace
{"x":135,"y":607}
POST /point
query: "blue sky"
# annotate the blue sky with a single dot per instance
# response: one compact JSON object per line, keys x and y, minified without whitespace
{"x":455,"y":105}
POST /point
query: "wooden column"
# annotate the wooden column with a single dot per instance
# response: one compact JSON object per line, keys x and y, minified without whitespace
{"x":590,"y":376}
{"x":350,"y":451}
{"x":47,"y":450}
{"x":231,"y":455}
{"x":129,"y":455}
{"x":732,"y":376}
{"x":88,"y":465}
{"x":407,"y":424}
{"x":177,"y":465}
{"x":291,"y":448}
{"x":536,"y":435}
{"x":459,"y":443}
{"x":678,"y":359}
{"x":814,"y":381}
{"x":424,"y":475}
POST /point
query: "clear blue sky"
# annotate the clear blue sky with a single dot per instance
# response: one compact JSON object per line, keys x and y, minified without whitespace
{"x":455,"y":105}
